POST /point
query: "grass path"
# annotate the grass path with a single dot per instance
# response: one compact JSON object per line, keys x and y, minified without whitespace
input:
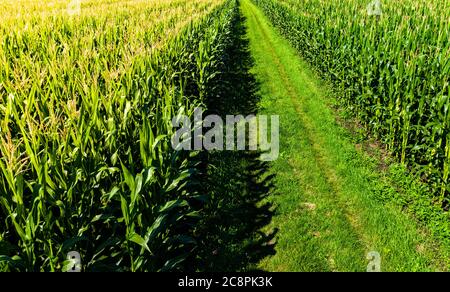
{"x":327,"y":215}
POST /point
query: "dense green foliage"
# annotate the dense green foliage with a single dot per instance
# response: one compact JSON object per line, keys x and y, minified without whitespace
{"x":86,"y":161}
{"x":392,"y":71}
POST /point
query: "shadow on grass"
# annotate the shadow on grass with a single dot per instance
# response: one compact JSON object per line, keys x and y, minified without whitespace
{"x":230,"y":237}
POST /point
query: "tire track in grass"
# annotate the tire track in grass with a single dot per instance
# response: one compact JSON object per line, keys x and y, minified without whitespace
{"x":327,"y":216}
{"x":314,"y":139}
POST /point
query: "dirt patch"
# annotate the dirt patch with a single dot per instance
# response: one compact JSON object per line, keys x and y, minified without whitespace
{"x":309,"y":206}
{"x":420,"y":248}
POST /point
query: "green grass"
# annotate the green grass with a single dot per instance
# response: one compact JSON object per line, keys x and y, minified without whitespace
{"x":328,"y":210}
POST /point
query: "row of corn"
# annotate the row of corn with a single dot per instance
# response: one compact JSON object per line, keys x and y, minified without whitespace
{"x":87,"y":96}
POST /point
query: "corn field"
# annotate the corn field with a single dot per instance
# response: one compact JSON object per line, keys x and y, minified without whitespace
{"x":86,"y":103}
{"x":392,"y":71}
{"x":89,"y":90}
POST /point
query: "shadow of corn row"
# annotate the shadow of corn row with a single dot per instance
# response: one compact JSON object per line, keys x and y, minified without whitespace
{"x":230,"y":236}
